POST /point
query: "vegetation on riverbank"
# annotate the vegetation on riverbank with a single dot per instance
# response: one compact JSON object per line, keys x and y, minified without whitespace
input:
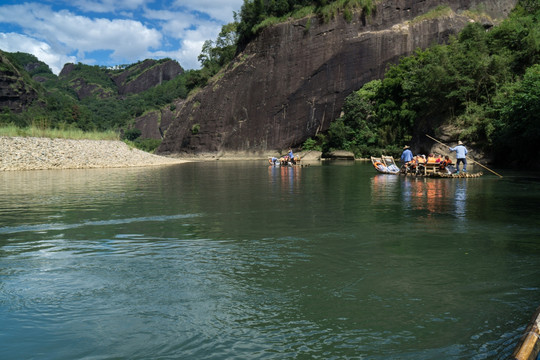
{"x":55,"y":133}
{"x":484,"y":84}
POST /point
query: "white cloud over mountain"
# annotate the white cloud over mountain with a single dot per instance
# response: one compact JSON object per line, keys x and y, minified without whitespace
{"x":112,"y":32}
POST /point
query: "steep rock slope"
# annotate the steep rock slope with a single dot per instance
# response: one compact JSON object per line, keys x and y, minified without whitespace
{"x":292,"y":80}
{"x":16,"y":92}
{"x":145,"y":75}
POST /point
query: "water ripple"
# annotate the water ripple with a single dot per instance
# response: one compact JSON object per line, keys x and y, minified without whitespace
{"x":60,"y":226}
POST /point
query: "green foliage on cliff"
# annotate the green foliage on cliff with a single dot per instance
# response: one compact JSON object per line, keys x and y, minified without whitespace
{"x":257,"y":14}
{"x":31,"y":64}
{"x":484,"y":83}
{"x":97,"y":75}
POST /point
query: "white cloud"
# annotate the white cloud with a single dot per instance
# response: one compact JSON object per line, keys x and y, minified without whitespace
{"x":221,"y":10}
{"x":188,"y":54}
{"x":180,"y":26}
{"x":106,"y":6}
{"x":12,"y":42}
{"x":128,"y":39}
{"x":128,"y":30}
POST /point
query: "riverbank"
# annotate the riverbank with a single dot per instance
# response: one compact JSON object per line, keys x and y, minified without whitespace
{"x":32,"y":153}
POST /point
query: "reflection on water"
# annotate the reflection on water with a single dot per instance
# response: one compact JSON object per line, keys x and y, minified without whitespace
{"x":285,"y":178}
{"x":228,"y":260}
{"x":429,"y":197}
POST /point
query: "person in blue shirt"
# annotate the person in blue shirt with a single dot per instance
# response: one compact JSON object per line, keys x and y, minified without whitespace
{"x":291,"y":156}
{"x":407,"y":155}
{"x":461,"y":156}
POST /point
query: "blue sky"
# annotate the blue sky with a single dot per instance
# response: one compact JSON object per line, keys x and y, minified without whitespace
{"x":112,"y":32}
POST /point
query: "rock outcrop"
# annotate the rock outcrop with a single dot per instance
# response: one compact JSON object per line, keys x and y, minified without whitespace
{"x":154,"y":124}
{"x":292,"y":80}
{"x":16,"y":93}
{"x":145,"y":75}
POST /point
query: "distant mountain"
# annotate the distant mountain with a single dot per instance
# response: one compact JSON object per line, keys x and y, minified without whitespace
{"x":102,"y":82}
{"x":84,"y":96}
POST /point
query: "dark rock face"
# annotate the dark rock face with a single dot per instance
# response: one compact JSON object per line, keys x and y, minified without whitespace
{"x":291,"y":81}
{"x":154,"y":124}
{"x":145,"y":75}
{"x":15,"y":93}
{"x":66,"y":70}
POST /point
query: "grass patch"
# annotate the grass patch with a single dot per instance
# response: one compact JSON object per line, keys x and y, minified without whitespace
{"x":297,"y":14}
{"x":439,"y":11}
{"x":346,"y":7}
{"x":477,"y":14}
{"x":327,"y":12}
{"x":148,"y":145}
{"x":74,"y":134}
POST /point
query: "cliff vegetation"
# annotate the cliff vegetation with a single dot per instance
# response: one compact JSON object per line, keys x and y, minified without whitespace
{"x":482,"y":88}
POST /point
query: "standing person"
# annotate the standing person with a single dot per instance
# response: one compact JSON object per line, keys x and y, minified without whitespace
{"x":291,"y":156}
{"x":461,"y":155}
{"x":407,"y":155}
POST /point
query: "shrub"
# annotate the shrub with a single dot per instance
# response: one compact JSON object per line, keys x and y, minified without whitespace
{"x":148,"y":145}
{"x":132,"y":134}
{"x":311,"y":144}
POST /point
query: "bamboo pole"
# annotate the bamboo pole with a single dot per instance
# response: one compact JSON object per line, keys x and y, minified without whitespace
{"x":529,"y":345}
{"x":485,"y":167}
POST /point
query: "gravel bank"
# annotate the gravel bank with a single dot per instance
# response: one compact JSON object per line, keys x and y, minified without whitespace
{"x":30,"y":153}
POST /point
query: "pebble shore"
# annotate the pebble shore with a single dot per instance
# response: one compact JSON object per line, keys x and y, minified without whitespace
{"x":31,"y":153}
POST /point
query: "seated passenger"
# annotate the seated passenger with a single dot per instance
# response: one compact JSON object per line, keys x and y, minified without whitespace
{"x":445,"y":163}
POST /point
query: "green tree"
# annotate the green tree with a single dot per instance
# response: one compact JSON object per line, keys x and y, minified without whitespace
{"x":518,"y":129}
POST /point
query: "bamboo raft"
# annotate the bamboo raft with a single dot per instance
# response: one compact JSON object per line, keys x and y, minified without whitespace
{"x":454,"y":176}
{"x":387,"y":165}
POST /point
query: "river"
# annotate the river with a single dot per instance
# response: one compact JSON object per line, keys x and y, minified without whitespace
{"x":231,"y":260}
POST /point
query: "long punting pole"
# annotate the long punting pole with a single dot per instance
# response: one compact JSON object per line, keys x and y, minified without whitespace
{"x":432,"y":138}
{"x":529,"y":345}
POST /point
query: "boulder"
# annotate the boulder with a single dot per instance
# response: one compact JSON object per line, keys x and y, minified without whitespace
{"x":339,"y":155}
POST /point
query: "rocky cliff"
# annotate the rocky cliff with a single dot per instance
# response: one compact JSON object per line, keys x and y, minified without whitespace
{"x":145,"y":75}
{"x":292,"y":80}
{"x":16,"y":92}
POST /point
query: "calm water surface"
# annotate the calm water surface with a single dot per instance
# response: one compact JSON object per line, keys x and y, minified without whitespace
{"x":223,"y":260}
